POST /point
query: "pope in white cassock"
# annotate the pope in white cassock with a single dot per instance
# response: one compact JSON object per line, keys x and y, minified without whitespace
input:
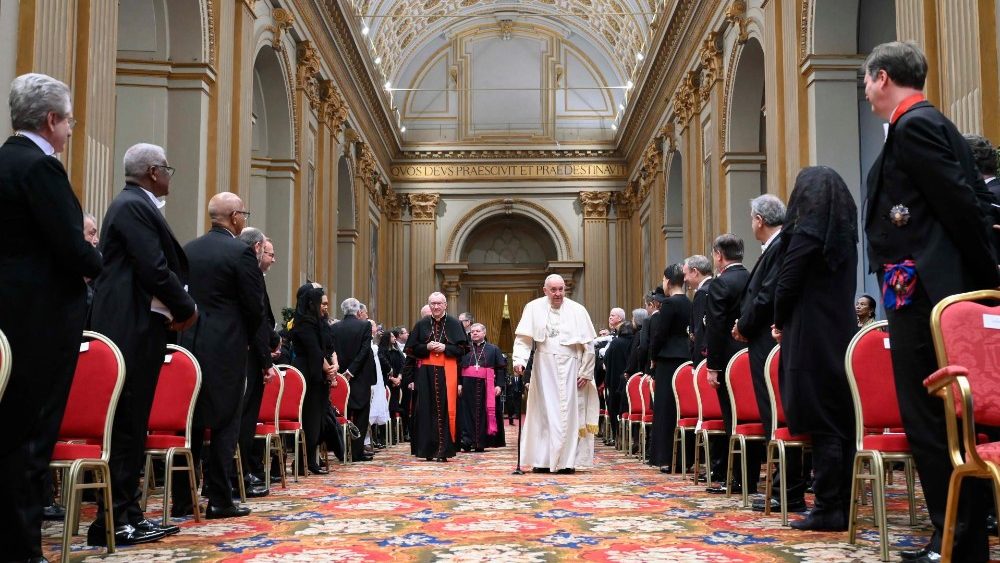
{"x":561,"y":418}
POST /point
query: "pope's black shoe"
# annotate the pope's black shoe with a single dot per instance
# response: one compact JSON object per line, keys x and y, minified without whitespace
{"x":148,"y":526}
{"x":234,"y":511}
{"x":126,"y":534}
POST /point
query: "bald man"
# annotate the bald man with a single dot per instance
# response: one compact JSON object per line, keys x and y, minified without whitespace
{"x":227,"y":284}
{"x":561,"y":418}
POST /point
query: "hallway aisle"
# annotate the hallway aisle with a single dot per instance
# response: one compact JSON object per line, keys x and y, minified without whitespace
{"x":473,"y":509}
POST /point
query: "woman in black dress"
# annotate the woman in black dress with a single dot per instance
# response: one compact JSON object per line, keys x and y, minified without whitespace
{"x":307,"y":337}
{"x":668,"y":349}
{"x":814,"y":322}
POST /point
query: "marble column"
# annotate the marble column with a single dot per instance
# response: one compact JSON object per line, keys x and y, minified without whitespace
{"x":595,"y":252}
{"x":423,"y":247}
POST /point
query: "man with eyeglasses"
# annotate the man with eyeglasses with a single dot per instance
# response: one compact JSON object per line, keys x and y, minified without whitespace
{"x":43,"y":300}
{"x":140,"y":302}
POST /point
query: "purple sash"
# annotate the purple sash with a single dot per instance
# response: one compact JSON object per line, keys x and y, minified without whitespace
{"x":491,"y":404}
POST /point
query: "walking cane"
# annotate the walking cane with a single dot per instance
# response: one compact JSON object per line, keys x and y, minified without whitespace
{"x":517,"y":471}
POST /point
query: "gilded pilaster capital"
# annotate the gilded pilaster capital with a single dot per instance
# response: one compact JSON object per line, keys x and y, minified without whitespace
{"x":736,"y":14}
{"x":283,"y":20}
{"x":307,"y":72}
{"x":333,"y":107}
{"x":423,"y":206}
{"x":595,"y":204}
{"x":711,"y":62}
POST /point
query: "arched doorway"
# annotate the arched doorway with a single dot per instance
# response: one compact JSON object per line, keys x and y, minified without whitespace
{"x":673,"y":213}
{"x":347,"y":229}
{"x":272,"y":170}
{"x":745,"y":162}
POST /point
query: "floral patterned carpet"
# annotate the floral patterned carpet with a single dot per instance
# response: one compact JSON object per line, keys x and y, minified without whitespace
{"x":400,"y":508}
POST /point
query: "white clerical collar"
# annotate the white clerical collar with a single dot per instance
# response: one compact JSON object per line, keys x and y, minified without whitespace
{"x":704,"y":281}
{"x":159,"y":203}
{"x":989,"y":179}
{"x":763,"y":247}
{"x":731,"y":266}
{"x":46,"y":146}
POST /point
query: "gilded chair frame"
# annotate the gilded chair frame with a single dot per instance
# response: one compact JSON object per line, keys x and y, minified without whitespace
{"x":342,"y":380}
{"x":397,"y":421}
{"x":738,"y":441}
{"x":953,"y":386}
{"x":298,"y":435}
{"x":649,"y":384}
{"x":625,"y":426}
{"x":777,"y":445}
{"x":680,"y":434}
{"x":169,"y":454}
{"x":71,"y":470}
{"x":702,"y":436}
{"x":6,"y":361}
{"x":272,"y":443}
{"x":876,"y":461}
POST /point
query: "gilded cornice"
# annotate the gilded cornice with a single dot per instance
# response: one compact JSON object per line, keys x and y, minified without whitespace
{"x":711,"y":61}
{"x":307,"y":72}
{"x":736,"y":14}
{"x":283,"y":20}
{"x":667,"y":133}
{"x":627,"y":200}
{"x":333,"y":108}
{"x":365,"y":166}
{"x":595,"y":204}
{"x":423,"y":206}
{"x":804,"y":31}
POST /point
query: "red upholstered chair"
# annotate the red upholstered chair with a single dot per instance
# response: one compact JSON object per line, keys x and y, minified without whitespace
{"x":84,"y":442}
{"x":634,"y":413}
{"x":686,"y":400}
{"x":397,"y":417}
{"x":267,"y":428}
{"x":647,"y":390}
{"x":781,"y":437}
{"x":5,"y":362}
{"x":293,"y":392}
{"x":338,"y":399}
{"x":710,"y":421}
{"x":869,"y":373}
{"x":389,"y":439}
{"x":170,"y":424}
{"x":603,"y":419}
{"x":966,"y":340}
{"x":746,"y":424}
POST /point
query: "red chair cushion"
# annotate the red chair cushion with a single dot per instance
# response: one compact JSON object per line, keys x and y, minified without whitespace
{"x":175,"y":390}
{"x":785,"y":434}
{"x":886,"y":442}
{"x":713,"y":425}
{"x":163,"y":441}
{"x":871,"y":364}
{"x":687,"y":398}
{"x":687,"y":422}
{"x":989,"y":451}
{"x":750,"y":429}
{"x":90,"y":393}
{"x":289,"y":425}
{"x":265,"y":429}
{"x":291,"y":394}
{"x":969,"y":342}
{"x":66,"y":451}
{"x":647,"y":418}
{"x":741,"y":388}
{"x":710,"y":408}
{"x":341,"y":420}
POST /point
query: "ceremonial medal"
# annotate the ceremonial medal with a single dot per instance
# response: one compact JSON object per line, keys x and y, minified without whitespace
{"x":899,"y":215}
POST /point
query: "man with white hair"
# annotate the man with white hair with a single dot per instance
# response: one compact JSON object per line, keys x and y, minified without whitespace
{"x":615,"y":319}
{"x":43,"y":300}
{"x":437,"y":342}
{"x":140,"y":301}
{"x":561,"y":418}
{"x":352,"y":342}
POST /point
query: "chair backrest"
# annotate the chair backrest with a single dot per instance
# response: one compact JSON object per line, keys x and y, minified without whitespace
{"x":293,"y":393}
{"x":869,"y":373}
{"x":633,"y":391}
{"x":685,"y":396}
{"x":176,"y":393}
{"x":273,"y":389}
{"x":5,"y":362}
{"x":966,"y":329}
{"x":388,"y":394}
{"x":774,"y":388}
{"x":93,"y":395}
{"x":739,"y":385}
{"x":647,"y":387}
{"x":708,"y":398}
{"x":339,"y":394}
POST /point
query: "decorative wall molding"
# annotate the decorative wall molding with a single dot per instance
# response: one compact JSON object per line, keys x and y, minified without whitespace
{"x":595,"y":204}
{"x":423,"y":206}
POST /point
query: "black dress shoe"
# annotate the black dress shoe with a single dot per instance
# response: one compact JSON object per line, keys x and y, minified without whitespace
{"x":991,"y":525}
{"x":366,"y":457}
{"x":252,"y":480}
{"x":931,"y":557}
{"x":275,"y":477}
{"x":441,"y":459}
{"x":234,"y":511}
{"x":316,"y":470}
{"x":822,"y":521}
{"x":54,"y":512}
{"x":480,"y":450}
{"x":126,"y":534}
{"x":911,"y":554}
{"x":254,"y":491}
{"x":181,"y":510}
{"x":566,"y":471}
{"x":665,"y":469}
{"x":539,"y":469}
{"x":716,"y":490}
{"x":794,"y":505}
{"x":147,"y":526}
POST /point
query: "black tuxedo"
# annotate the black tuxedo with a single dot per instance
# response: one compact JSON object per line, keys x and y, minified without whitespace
{"x":228,"y":286}
{"x":696,"y":329}
{"x":258,"y":361}
{"x":668,"y":347}
{"x":42,"y":310}
{"x":142,"y":260}
{"x":352,"y":341}
{"x":927,"y":166}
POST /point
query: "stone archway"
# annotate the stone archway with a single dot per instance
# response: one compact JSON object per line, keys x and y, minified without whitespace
{"x":673,"y":213}
{"x":272,"y":169}
{"x":745,"y":161}
{"x":347,"y":233}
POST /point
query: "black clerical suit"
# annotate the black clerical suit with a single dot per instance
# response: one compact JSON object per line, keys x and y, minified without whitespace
{"x":722,"y":308}
{"x":352,"y":341}
{"x":432,"y":415}
{"x":696,"y":330}
{"x":228,"y":286}
{"x":42,"y":311}
{"x":258,"y":361}
{"x":927,"y":167}
{"x":142,"y":260}
{"x":473,"y":423}
{"x":668,"y":348}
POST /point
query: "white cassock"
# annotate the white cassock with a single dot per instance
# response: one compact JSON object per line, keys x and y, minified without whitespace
{"x":561,"y":419}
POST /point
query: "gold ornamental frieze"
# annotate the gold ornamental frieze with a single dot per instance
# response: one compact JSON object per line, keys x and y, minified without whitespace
{"x":507,"y":171}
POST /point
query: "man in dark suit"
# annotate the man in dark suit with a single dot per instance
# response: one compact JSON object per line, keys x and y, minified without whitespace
{"x":139,"y":300}
{"x":767,"y":214}
{"x":43,"y":300}
{"x":697,"y":278}
{"x":260,"y":367}
{"x":985,"y":155}
{"x":228,"y":286}
{"x":722,"y":308}
{"x":352,"y":342}
{"x":928,"y":234}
